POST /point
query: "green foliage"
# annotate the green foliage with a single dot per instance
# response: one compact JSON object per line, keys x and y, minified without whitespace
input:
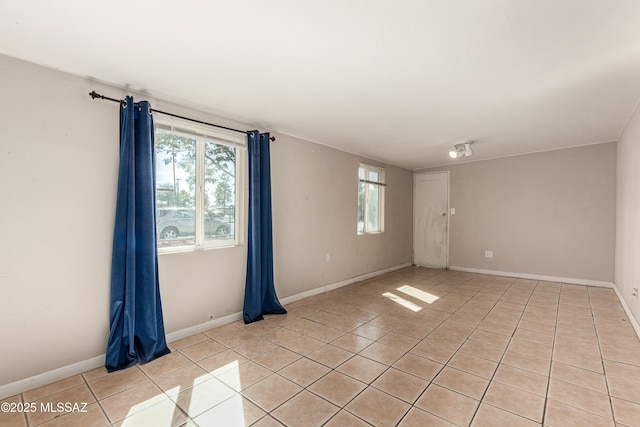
{"x":224,"y":192}
{"x":180,"y":152}
{"x":169,"y":198}
{"x":360,"y":201}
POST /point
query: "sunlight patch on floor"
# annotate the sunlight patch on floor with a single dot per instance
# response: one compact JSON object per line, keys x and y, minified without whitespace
{"x":164,"y":414}
{"x":228,"y":413}
{"x":206,"y":398}
{"x":403,"y":302}
{"x":419,"y":294}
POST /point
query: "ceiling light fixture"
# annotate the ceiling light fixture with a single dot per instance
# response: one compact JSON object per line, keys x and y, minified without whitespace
{"x":461,"y":149}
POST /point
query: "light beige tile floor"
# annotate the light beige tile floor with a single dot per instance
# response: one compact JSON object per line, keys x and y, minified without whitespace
{"x":417,"y":347}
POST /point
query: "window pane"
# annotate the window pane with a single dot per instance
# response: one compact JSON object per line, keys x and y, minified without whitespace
{"x":374,"y":176}
{"x":220,"y":192}
{"x":360,"y":207}
{"x":361,"y":173}
{"x":373,"y":212}
{"x":175,"y":189}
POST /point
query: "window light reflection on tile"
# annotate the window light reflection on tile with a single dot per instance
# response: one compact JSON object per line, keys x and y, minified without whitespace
{"x":225,"y":368}
{"x":164,"y":414}
{"x":229,"y":413}
{"x":419,"y":294}
{"x":167,"y":408}
{"x":555,"y":314}
{"x":204,"y":396}
{"x":205,"y":393}
{"x":230,"y":374}
{"x":403,"y":302}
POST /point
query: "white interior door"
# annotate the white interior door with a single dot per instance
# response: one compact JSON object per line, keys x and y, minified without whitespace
{"x":431,"y":219}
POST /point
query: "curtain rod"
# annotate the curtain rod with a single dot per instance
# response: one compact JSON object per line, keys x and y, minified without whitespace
{"x":366,"y":181}
{"x":93,"y":94}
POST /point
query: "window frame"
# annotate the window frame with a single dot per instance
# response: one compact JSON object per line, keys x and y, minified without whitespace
{"x":381,"y":184}
{"x":207,"y":134}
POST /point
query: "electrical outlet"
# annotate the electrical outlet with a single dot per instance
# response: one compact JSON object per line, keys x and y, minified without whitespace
{"x":488,"y":254}
{"x":453,"y":211}
{"x":327,"y":257}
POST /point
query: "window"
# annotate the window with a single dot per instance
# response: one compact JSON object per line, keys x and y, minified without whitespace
{"x":197,"y":186}
{"x":370,"y":199}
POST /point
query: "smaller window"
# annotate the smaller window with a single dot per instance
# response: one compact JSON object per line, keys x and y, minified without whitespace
{"x":370,"y":199}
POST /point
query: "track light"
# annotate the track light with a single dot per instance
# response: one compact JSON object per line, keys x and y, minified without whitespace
{"x":453,"y":154}
{"x":461,"y":149}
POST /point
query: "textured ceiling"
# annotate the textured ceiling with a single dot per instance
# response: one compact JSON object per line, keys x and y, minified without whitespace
{"x":398,"y":81}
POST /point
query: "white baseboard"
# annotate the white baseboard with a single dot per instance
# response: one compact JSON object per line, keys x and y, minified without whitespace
{"x":627,"y":309}
{"x":569,"y":280}
{"x":192,"y":330}
{"x":49,"y":377}
{"x":327,"y":288}
{"x":625,"y":306}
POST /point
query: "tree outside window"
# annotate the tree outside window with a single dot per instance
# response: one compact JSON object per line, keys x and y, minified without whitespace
{"x":196,"y":185}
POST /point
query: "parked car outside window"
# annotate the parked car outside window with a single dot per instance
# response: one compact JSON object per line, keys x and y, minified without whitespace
{"x":174,"y":223}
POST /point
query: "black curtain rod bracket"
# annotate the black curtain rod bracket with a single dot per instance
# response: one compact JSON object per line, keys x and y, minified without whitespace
{"x":93,"y":94}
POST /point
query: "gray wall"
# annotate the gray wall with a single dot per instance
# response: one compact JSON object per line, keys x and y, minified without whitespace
{"x":628,"y":215}
{"x":58,"y":168}
{"x":315,"y":211}
{"x":549,"y":213}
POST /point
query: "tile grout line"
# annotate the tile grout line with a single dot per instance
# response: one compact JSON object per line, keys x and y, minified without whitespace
{"x":152,"y":381}
{"x":305,"y":388}
{"x":96,"y":398}
{"x":459,"y":293}
{"x":606,"y":379}
{"x":460,"y":346}
{"x":334,"y":370}
{"x":592,"y":317}
{"x":442,"y":321}
{"x":389,"y":367}
{"x":452,"y":356}
{"x":269,"y":413}
{"x":553,"y":349}
{"x":24,"y":414}
{"x":503,"y":354}
{"x":440,"y":370}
